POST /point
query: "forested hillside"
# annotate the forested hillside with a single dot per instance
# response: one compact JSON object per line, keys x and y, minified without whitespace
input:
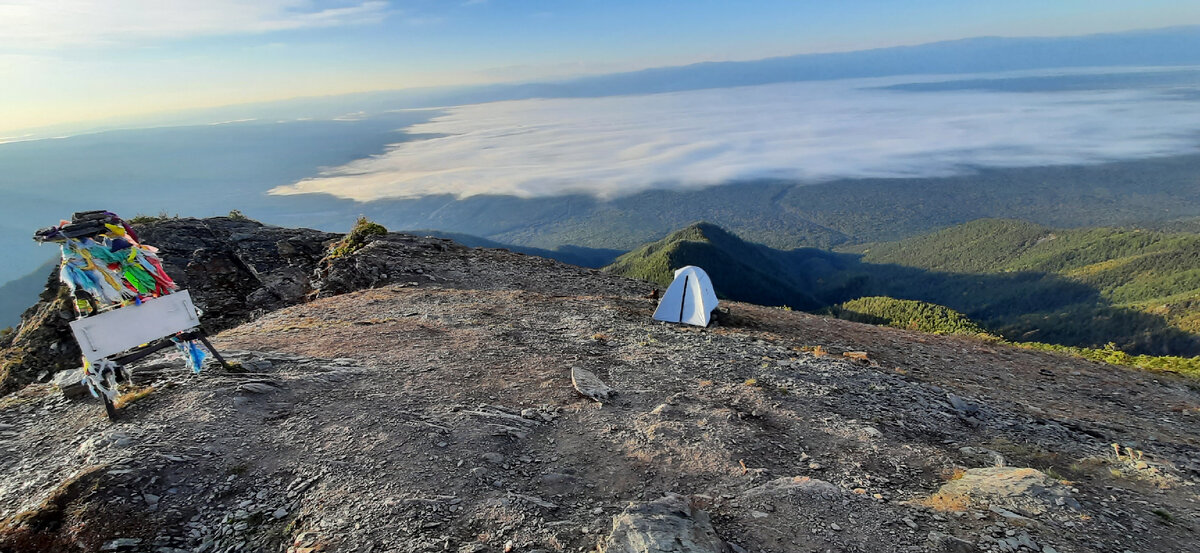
{"x":1137,"y":289}
{"x":907,"y":314}
{"x":1152,"y":272}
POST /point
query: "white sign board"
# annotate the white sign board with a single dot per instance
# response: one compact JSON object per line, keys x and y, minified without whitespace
{"x":115,"y":331}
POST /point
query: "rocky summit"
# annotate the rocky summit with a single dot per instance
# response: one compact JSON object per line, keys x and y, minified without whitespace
{"x":410,"y":394}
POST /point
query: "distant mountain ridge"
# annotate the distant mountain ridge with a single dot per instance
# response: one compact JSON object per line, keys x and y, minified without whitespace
{"x":1171,"y":46}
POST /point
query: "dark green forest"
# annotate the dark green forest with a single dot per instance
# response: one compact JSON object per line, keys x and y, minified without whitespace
{"x":907,"y":314}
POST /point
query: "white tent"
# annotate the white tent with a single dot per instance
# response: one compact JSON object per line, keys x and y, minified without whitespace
{"x":690,"y":298}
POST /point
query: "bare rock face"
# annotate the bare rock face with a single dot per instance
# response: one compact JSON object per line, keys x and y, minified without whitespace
{"x":42,"y":343}
{"x":383,"y":260}
{"x":1026,"y":491}
{"x":668,"y":525}
{"x":237,"y":268}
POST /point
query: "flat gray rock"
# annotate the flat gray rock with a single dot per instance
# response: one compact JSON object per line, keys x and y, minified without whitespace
{"x":70,"y":383}
{"x":667,"y":525}
{"x":1027,"y":491}
{"x":590,"y":385}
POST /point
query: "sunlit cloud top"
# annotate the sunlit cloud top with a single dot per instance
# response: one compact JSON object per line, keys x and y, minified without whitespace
{"x":811,"y":132}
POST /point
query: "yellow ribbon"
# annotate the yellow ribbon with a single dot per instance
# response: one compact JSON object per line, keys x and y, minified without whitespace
{"x":91,"y":265}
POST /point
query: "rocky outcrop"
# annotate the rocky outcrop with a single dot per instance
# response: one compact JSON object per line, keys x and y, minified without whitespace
{"x":667,"y":525}
{"x":237,"y":268}
{"x":396,"y":258}
{"x":42,"y":344}
{"x":1027,"y":491}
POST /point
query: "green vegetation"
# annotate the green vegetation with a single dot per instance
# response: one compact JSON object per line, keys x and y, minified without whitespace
{"x":142,"y":219}
{"x":356,"y":238}
{"x":937,"y":319}
{"x":237,"y":215}
{"x":907,"y":314}
{"x":1080,"y":287}
{"x":1024,"y":282}
{"x":1187,"y":366}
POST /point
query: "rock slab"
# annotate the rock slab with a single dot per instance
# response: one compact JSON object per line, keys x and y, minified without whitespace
{"x":590,"y":385}
{"x":667,"y":525}
{"x":1026,"y":491}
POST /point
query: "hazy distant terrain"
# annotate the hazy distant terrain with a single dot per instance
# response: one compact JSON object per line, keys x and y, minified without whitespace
{"x":18,"y":294}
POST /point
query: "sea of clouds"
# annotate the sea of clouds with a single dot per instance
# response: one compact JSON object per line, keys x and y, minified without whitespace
{"x":810,"y":132}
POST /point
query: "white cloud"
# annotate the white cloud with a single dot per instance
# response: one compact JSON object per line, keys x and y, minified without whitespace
{"x":616,"y":146}
{"x":57,"y":23}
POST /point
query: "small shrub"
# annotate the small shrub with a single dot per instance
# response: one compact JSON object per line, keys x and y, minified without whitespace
{"x":750,"y":382}
{"x":1053,"y":473}
{"x":141,"y":218}
{"x":237,"y":215}
{"x":356,"y":238}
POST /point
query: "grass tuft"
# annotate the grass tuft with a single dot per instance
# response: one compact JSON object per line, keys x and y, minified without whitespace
{"x":128,"y":398}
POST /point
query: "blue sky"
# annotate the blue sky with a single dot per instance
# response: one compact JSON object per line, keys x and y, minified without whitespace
{"x":77,"y":60}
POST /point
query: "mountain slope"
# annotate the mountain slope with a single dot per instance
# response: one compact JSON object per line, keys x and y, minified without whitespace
{"x":429,"y":407}
{"x":1148,"y":271}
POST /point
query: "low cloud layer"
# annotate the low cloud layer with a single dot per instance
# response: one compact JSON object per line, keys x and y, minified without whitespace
{"x":615,"y":146}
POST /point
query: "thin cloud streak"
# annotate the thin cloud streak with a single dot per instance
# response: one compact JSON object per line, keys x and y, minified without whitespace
{"x":810,"y":132}
{"x":48,"y":24}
